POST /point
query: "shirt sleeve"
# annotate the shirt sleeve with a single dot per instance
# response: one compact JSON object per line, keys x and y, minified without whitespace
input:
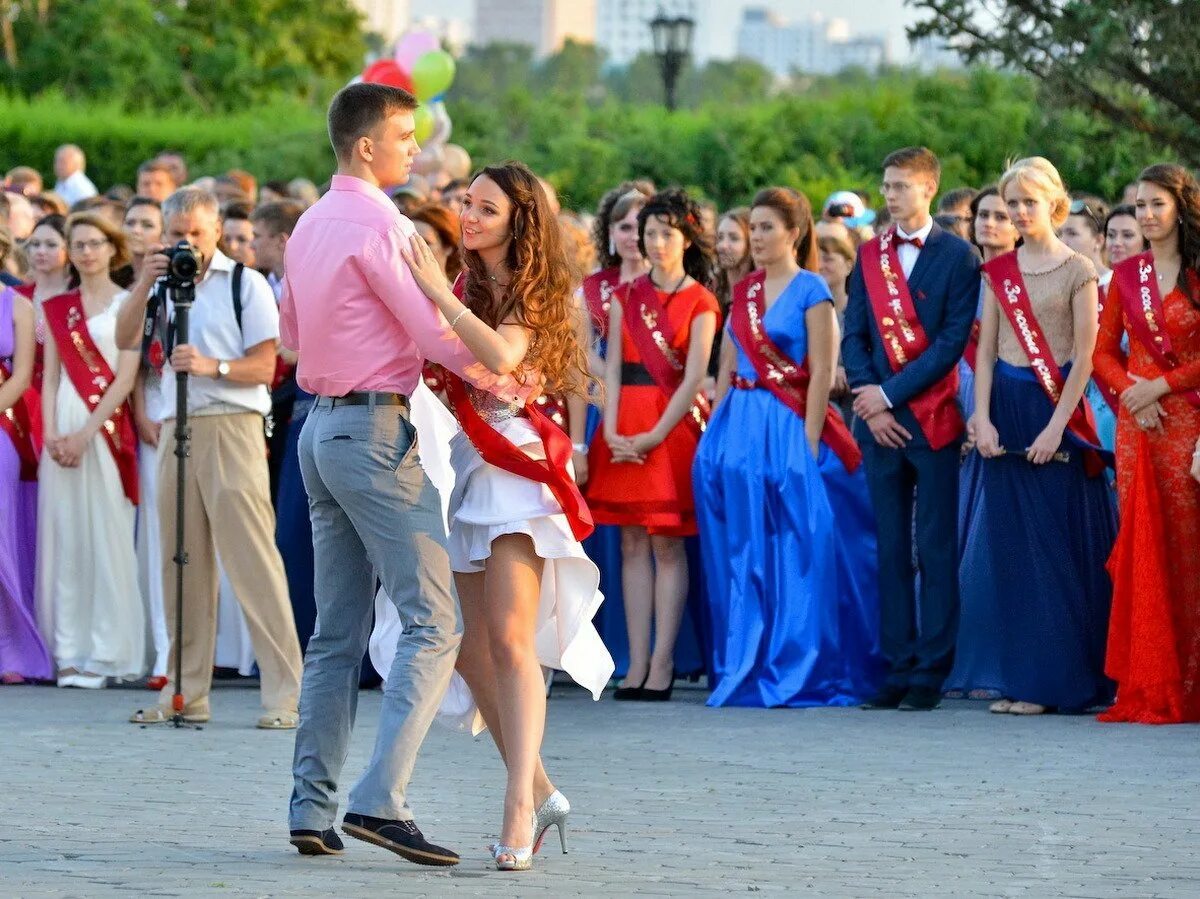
{"x":260,"y":316}
{"x":389,"y":276}
{"x":288,"y":335}
{"x":1109,"y":363}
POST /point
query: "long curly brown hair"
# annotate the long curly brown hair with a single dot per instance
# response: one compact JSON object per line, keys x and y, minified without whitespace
{"x":538,"y":296}
{"x":1182,"y":185}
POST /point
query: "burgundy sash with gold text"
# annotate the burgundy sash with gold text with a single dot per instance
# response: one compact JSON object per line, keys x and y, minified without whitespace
{"x":904,"y":339}
{"x":91,"y":376}
{"x":23,"y":424}
{"x":1142,"y":302}
{"x":598,"y":290}
{"x":786,"y":380}
{"x":645,"y":319}
{"x":496,"y":449}
{"x":1012,"y":296}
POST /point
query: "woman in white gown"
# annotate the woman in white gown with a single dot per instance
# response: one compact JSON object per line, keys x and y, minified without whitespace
{"x":89,"y":603}
{"x":527,"y":590}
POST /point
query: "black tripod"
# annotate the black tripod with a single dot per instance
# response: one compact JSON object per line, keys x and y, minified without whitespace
{"x":182,"y":296}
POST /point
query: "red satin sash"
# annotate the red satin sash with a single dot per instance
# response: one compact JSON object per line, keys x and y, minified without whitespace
{"x":498,"y":450}
{"x":1012,"y":296}
{"x":1142,"y":303}
{"x":23,"y":425}
{"x":91,"y":376}
{"x":786,"y":380}
{"x":971,"y":353}
{"x":598,"y":290}
{"x":1110,"y":396}
{"x":645,"y":318}
{"x":904,"y":339}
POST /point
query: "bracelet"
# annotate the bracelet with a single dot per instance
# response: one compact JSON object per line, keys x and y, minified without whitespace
{"x":580,"y":448}
{"x":457,"y":318}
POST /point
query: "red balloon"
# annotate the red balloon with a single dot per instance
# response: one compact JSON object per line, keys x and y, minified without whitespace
{"x":386,"y":71}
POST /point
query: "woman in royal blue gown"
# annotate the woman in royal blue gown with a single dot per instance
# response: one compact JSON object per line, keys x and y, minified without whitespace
{"x":786,"y":525}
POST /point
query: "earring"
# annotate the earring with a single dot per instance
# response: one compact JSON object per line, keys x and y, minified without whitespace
{"x":612,"y":246}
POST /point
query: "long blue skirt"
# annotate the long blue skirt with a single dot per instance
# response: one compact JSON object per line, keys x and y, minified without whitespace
{"x":790,"y":553}
{"x":1035,"y":594}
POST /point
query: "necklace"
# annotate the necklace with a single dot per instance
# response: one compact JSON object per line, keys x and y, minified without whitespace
{"x":678,"y":284}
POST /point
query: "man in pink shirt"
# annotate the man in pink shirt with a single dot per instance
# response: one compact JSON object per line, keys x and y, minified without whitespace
{"x":362,"y":329}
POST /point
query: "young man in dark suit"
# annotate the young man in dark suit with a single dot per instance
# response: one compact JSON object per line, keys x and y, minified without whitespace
{"x":913,"y":294}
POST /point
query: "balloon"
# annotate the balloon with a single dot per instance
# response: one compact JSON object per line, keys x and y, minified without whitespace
{"x":441,"y":124}
{"x":413,"y":46}
{"x":428,"y":162}
{"x":432,"y":74}
{"x":385,"y":71}
{"x":423,"y":120}
{"x":456,"y":161}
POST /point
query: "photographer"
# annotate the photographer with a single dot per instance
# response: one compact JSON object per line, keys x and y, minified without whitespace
{"x":230,"y":358}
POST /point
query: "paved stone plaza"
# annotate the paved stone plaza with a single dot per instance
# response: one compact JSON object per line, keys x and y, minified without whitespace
{"x":669,"y":800}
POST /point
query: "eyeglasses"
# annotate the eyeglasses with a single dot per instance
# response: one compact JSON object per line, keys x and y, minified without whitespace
{"x":79,"y":246}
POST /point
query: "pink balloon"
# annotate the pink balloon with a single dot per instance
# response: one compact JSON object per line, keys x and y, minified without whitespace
{"x":413,"y":46}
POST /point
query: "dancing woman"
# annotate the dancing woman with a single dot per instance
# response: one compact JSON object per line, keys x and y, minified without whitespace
{"x":1154,"y":298}
{"x":785,"y":516}
{"x":527,"y":590}
{"x":1035,"y":595}
{"x":641,"y":464}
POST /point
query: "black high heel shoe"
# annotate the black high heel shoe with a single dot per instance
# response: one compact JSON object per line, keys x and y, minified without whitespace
{"x":658,"y":695}
{"x":632,"y":694}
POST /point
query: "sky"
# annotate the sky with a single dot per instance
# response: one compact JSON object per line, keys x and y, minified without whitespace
{"x":887,"y":17}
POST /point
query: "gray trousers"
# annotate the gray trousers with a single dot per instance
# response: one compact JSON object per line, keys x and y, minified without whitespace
{"x":374,"y":512}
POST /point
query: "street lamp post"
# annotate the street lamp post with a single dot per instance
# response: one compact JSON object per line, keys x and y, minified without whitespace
{"x":672,"y":43}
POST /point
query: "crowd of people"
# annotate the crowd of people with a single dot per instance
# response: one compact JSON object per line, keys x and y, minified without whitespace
{"x":834,"y":457}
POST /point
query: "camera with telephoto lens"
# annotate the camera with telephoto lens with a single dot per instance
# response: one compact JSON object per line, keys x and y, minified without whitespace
{"x":183,"y":263}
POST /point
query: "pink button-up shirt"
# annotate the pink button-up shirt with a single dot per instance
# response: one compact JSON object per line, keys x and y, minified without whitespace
{"x":351,"y":309}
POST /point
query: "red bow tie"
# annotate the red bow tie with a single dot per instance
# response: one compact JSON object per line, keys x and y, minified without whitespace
{"x":915,"y":241}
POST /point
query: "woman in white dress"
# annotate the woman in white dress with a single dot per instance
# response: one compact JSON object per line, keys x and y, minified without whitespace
{"x":89,"y":604}
{"x":528,"y":592}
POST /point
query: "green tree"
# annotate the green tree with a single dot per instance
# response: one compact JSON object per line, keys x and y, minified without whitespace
{"x":575,"y":69}
{"x":486,"y":73}
{"x":201,"y":54}
{"x":1133,"y":62}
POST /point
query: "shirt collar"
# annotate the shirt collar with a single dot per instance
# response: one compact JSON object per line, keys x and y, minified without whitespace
{"x":359,"y":186}
{"x":921,"y":233}
{"x":220,"y":263}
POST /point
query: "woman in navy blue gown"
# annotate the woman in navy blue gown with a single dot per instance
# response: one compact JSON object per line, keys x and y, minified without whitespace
{"x":1035,"y":595}
{"x":785,"y":518}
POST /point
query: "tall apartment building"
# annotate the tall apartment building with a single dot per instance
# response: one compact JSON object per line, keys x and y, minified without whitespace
{"x":542,"y":24}
{"x":623,"y":26}
{"x":818,"y":46}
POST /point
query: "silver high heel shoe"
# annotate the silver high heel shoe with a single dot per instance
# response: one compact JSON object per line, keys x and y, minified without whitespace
{"x":553,"y":813}
{"x":519,"y":858}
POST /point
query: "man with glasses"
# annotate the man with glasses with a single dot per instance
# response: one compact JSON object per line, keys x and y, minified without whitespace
{"x":954,"y":211}
{"x":912,"y":302}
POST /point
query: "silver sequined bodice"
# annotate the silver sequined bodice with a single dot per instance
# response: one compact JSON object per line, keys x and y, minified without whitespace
{"x":490,"y":407}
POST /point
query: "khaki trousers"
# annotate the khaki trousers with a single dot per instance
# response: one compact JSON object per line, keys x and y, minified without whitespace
{"x":227,"y":512}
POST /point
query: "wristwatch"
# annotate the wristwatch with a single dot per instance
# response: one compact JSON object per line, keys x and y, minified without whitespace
{"x":222,"y":369}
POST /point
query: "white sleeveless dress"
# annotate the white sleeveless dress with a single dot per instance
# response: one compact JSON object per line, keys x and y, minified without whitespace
{"x":487,"y":502}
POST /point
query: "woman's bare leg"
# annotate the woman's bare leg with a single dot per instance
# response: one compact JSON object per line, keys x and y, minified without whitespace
{"x":637,"y":586}
{"x":670,"y":597}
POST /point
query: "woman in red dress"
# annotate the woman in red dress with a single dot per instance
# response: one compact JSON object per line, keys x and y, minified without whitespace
{"x":1154,"y":297}
{"x":641,"y":463}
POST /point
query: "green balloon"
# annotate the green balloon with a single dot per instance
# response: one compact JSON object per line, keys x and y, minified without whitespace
{"x":432,"y":74}
{"x":423,"y":122}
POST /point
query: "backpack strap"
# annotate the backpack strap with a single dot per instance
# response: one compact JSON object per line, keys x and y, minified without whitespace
{"x":237,"y":293}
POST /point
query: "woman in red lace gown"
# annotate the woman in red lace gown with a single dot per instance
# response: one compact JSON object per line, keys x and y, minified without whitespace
{"x":1154,"y":634}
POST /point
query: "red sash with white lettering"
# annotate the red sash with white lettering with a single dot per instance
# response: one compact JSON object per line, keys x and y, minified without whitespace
{"x":1141,"y":300}
{"x":1110,"y":396}
{"x":498,"y":450}
{"x":23,"y":424}
{"x":598,"y":290}
{"x":904,"y":339}
{"x":91,"y":376}
{"x":786,"y":380}
{"x":1012,"y":296}
{"x":645,"y":318}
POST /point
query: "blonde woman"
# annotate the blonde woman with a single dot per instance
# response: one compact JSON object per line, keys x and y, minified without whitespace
{"x":1035,"y":594}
